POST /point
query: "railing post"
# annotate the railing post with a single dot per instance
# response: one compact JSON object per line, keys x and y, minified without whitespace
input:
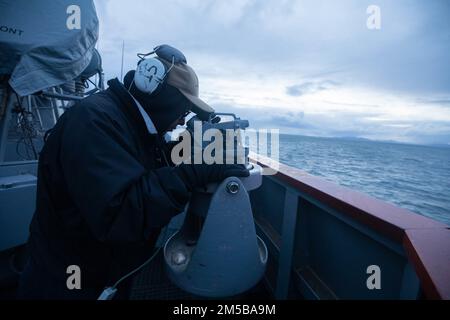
{"x":287,"y":244}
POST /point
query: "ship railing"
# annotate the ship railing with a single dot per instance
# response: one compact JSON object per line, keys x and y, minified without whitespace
{"x":329,"y":242}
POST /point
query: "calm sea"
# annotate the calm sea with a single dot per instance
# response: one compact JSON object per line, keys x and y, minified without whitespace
{"x":414,"y":177}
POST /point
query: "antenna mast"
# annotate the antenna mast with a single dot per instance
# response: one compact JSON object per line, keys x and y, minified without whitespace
{"x":121,"y":68}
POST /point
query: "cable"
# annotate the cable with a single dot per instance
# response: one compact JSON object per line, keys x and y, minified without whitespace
{"x":12,"y":264}
{"x":21,"y":156}
{"x":27,"y":128}
{"x":109,"y":292}
{"x":93,"y":83}
{"x":137,"y":269}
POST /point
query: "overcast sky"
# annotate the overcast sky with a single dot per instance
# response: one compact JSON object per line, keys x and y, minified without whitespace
{"x":305,"y":67}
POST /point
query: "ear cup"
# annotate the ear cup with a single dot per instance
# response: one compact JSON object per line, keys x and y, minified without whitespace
{"x":149,"y":75}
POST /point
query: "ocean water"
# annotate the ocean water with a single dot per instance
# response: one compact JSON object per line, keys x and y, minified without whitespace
{"x":413,"y":177}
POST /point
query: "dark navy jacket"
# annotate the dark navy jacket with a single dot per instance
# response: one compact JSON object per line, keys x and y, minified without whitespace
{"x":103,"y":196}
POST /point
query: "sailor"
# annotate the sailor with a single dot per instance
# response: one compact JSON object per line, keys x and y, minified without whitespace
{"x":106,"y":186}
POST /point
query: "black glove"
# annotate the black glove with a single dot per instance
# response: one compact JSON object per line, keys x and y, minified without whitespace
{"x":199,"y":175}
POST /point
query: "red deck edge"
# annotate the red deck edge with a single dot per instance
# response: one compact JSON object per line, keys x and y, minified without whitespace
{"x":426,"y":241}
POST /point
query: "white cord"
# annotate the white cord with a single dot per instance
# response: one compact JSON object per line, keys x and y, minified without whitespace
{"x":109,"y":292}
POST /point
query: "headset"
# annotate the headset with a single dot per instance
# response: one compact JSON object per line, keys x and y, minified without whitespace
{"x":151,"y":73}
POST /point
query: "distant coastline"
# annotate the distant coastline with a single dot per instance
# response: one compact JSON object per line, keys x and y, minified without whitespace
{"x":345,"y":138}
{"x":412,"y":176}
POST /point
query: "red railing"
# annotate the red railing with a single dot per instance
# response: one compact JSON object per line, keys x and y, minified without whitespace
{"x":425,"y":241}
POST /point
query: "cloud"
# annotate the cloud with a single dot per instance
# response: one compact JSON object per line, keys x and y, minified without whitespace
{"x":312,"y":57}
{"x":287,"y":37}
{"x":367,"y":125}
{"x":440,"y":102}
{"x":293,"y":120}
{"x":351,"y":104}
{"x":310,"y":87}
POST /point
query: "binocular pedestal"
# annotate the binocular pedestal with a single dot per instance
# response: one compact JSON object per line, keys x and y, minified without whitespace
{"x":217,"y":253}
